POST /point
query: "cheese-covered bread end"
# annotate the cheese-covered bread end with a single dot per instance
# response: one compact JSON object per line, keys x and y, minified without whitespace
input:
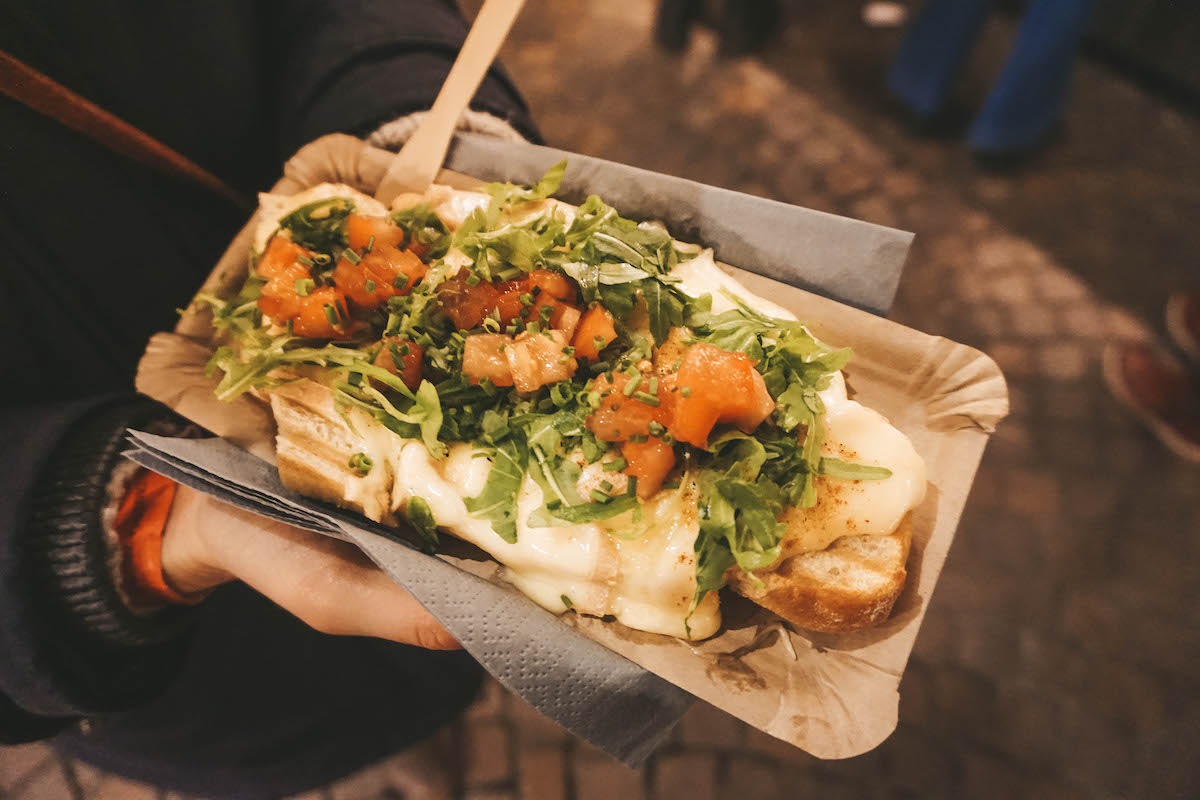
{"x":850,"y":585}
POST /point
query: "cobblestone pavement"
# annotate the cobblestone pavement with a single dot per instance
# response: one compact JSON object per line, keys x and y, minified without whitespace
{"x":1058,"y":656}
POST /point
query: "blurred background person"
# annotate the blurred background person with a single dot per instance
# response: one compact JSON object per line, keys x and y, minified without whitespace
{"x":1028,"y":95}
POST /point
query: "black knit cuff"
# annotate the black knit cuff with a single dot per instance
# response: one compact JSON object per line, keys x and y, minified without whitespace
{"x":64,"y":541}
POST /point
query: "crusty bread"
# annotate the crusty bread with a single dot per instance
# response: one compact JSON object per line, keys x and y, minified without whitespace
{"x":850,"y":585}
{"x":313,"y":449}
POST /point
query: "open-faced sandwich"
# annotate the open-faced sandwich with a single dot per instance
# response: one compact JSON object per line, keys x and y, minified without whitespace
{"x":602,"y":409}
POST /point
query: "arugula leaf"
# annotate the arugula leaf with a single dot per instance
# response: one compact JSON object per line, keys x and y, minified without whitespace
{"x":664,"y":306}
{"x":507,"y":193}
{"x":556,"y":512}
{"x":420,"y":516}
{"x":498,"y":500}
{"x":423,"y":226}
{"x":844,"y":470}
{"x":321,"y":224}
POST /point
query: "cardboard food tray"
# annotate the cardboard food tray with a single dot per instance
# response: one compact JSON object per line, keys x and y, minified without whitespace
{"x":835,"y":696}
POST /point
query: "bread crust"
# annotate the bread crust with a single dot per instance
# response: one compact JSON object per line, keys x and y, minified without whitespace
{"x":848,"y":586}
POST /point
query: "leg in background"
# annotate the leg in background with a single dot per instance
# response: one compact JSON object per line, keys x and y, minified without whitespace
{"x":933,"y":51}
{"x":1027,"y":98}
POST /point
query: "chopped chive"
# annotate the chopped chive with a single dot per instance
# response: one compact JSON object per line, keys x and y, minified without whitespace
{"x":502,"y":348}
{"x":599,"y":342}
{"x":631,"y":386}
{"x":671,"y":484}
{"x":351,"y":256}
{"x":653,"y":387}
{"x":638,"y":438}
{"x":565,"y":358}
{"x":646,"y":398}
{"x":686,"y":391}
{"x":370,"y":243}
{"x":631,"y":489}
{"x":330,"y":314}
{"x":491,"y":325}
{"x":568,"y":350}
{"x":472,"y":279}
{"x":361,"y":463}
{"x":405,"y":349}
{"x":656,"y":429}
{"x":320,"y":258}
{"x":304,"y":286}
{"x":400,"y":281}
{"x":617,"y":464}
{"x":305,"y":260}
{"x":606,"y":486}
{"x":593,"y":399}
{"x":526,"y":299}
{"x":370,"y":286}
{"x":533,"y":327}
{"x":598,"y":496}
{"x":601,"y":366}
{"x":668,"y":438}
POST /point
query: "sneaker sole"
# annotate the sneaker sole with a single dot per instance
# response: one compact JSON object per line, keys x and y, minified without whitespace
{"x":1175,"y":442}
{"x":1177,"y":328}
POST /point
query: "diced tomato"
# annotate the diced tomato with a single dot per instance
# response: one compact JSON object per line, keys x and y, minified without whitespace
{"x":372,"y":280}
{"x":620,"y":417}
{"x":409,"y":366}
{"x":544,"y":281}
{"x":595,"y":327}
{"x":280,"y":254}
{"x":717,"y":386}
{"x":280,"y":301}
{"x":360,"y":230}
{"x":313,"y":321}
{"x":467,"y":305}
{"x":649,"y":462}
{"x":485,"y":355}
{"x":537,"y":359}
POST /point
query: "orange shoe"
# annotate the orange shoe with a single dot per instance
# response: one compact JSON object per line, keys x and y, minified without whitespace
{"x":1158,"y":391}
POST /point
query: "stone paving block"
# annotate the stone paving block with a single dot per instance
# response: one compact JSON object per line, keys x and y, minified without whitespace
{"x":1033,"y":320}
{"x":1065,"y":361}
{"x":490,"y":702}
{"x":705,"y":724}
{"x":767,"y":745}
{"x":685,"y":776}
{"x":1015,"y":359}
{"x":1011,"y":288}
{"x":964,"y":700}
{"x":916,"y":763}
{"x":488,"y":759}
{"x":987,"y":777}
{"x":533,"y":726}
{"x":541,"y":774}
{"x":1034,"y":492}
{"x":743,"y":778}
{"x":604,"y":778}
{"x":490,"y":794}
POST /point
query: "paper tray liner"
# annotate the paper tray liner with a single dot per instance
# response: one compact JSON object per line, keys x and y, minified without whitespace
{"x":833,"y":695}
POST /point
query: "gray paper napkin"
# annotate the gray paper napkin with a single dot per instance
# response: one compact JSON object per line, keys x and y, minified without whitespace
{"x":558,"y":671}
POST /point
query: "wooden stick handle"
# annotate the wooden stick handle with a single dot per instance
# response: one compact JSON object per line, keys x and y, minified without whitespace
{"x":417,"y":164}
{"x":43,"y":94}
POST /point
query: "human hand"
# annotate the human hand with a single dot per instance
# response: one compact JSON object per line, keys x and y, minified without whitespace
{"x":328,"y":584}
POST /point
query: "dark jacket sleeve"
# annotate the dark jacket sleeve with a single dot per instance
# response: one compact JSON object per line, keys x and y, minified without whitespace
{"x":68,"y":645}
{"x":353,"y":65}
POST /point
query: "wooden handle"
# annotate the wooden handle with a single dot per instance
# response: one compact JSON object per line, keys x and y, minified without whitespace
{"x":415,"y":166}
{"x":43,"y":94}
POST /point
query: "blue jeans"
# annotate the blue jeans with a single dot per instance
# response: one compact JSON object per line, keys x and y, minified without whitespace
{"x":1028,"y":95}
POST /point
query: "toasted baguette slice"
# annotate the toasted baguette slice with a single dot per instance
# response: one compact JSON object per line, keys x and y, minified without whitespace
{"x":850,"y":585}
{"x":313,"y":450}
